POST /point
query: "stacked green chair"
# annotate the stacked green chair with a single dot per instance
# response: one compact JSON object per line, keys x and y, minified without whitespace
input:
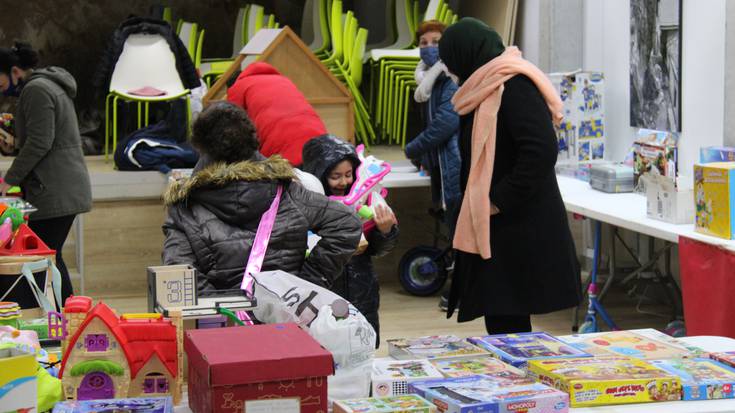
{"x":167,"y":15}
{"x":189,"y":34}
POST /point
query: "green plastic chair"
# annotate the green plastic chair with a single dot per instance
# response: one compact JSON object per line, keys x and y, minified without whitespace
{"x":336,"y":34}
{"x":167,"y":15}
{"x":198,"y":52}
{"x":188,"y":33}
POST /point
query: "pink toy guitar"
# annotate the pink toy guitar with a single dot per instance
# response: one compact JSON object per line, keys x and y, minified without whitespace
{"x":6,"y":232}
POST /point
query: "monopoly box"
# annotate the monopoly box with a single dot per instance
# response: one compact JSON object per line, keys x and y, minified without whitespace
{"x":487,"y":366}
{"x":518,"y":349}
{"x":132,"y":405}
{"x":431,"y":347}
{"x":409,"y":403}
{"x":714,"y":199}
{"x":647,"y":344}
{"x":606,"y":380}
{"x":478,"y":394}
{"x":701,"y":379}
{"x":391,"y":377}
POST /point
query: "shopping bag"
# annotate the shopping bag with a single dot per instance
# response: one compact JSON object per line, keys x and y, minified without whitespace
{"x":31,"y":281}
{"x":708,"y":288}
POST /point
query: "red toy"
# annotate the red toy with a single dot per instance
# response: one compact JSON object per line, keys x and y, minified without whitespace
{"x":273,"y":367}
{"x":26,"y":242}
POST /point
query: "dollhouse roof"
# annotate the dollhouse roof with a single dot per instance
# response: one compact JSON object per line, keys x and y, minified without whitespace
{"x":77,"y":304}
{"x":140,"y":339}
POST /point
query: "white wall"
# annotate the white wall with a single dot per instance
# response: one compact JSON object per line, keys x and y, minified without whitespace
{"x":607,"y":47}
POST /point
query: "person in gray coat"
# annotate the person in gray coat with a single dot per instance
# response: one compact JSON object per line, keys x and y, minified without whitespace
{"x":214,"y":215}
{"x":49,"y":165}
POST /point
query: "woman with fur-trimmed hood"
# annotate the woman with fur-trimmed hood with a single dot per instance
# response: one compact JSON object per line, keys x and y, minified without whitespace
{"x":214,"y":215}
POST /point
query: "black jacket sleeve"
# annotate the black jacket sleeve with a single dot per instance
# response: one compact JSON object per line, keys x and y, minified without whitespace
{"x":444,"y":124}
{"x":380,"y":244}
{"x":339,"y":230}
{"x":526,"y":120}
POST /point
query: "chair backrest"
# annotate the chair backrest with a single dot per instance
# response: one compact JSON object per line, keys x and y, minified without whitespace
{"x":348,"y":39}
{"x":188,"y":35}
{"x":146,"y":60}
{"x":198,"y":53}
{"x":270,"y":22}
{"x":336,"y":29}
{"x":404,"y":12}
{"x":255,"y":20}
{"x":167,"y":15}
{"x":308,"y":28}
{"x":443,"y":9}
{"x":238,"y":36}
{"x":432,"y":10}
{"x":358,"y":51}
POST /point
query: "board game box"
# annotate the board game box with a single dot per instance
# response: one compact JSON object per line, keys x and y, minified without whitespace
{"x":518,"y":349}
{"x":727,"y":358}
{"x":431,"y":347}
{"x":478,"y":394}
{"x":409,"y":403}
{"x":606,"y":380}
{"x":487,"y":366}
{"x":133,"y":405}
{"x":645,"y":344}
{"x":701,"y":379}
{"x":391,"y":377}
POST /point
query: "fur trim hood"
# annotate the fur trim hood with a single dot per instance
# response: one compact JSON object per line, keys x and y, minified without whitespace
{"x":219,"y":175}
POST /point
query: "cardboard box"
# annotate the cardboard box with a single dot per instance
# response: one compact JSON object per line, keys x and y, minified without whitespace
{"x":581,"y":135}
{"x":717,"y":154}
{"x":518,"y":349}
{"x":18,"y":381}
{"x":409,"y":403}
{"x":487,"y":366}
{"x":606,"y":380}
{"x":482,"y":395}
{"x":655,"y":159}
{"x":726,"y":358}
{"x":431,"y":347}
{"x":701,"y":379}
{"x":391,"y":377}
{"x":714,"y":199}
{"x":627,"y":344}
{"x":665,"y":202}
{"x":272,"y":367}
{"x":171,"y":286}
{"x":132,"y":405}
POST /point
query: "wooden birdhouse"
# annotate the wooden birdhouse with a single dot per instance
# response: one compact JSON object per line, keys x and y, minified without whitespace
{"x":107,"y":356}
{"x":285,"y":51}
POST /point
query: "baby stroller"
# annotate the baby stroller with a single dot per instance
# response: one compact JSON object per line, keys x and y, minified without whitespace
{"x":424,"y":269}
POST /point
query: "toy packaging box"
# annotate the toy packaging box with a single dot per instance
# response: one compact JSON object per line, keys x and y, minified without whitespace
{"x":18,"y":381}
{"x":606,"y":380}
{"x":655,"y":152}
{"x":518,"y":349}
{"x":478,"y":394}
{"x":645,"y":345}
{"x":701,"y":379}
{"x":668,"y":202}
{"x":717,"y":154}
{"x":132,"y":405}
{"x":409,"y":403}
{"x":714,"y":199}
{"x":581,"y":135}
{"x":431,"y":347}
{"x":391,"y":377}
{"x":487,"y":366}
{"x":271,"y":367}
{"x":727,"y":358}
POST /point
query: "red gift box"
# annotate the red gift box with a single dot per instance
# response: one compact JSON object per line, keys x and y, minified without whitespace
{"x":272,"y":367}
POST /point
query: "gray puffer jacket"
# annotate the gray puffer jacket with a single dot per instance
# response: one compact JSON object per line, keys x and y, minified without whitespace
{"x":213,"y":218}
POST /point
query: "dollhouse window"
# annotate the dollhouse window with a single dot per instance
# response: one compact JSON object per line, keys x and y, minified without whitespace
{"x":96,"y":342}
{"x":155,"y":383}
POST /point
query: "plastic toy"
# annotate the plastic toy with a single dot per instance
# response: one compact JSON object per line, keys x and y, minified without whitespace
{"x":594,"y":306}
{"x":108,"y":356}
{"x":26,"y":242}
{"x":10,"y":314}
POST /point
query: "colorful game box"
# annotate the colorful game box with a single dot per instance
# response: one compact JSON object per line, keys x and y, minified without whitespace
{"x":655,"y":152}
{"x":133,"y":405}
{"x":717,"y":154}
{"x":409,"y":403}
{"x":431,"y":347}
{"x":478,"y":394}
{"x":18,"y":383}
{"x":391,"y":377}
{"x":714,"y":199}
{"x":606,"y":380}
{"x":727,"y":358}
{"x":487,"y":366}
{"x":518,"y":349}
{"x":701,"y":379}
{"x":645,"y":344}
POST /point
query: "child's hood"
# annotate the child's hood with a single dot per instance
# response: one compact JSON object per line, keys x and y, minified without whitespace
{"x":323,"y":153}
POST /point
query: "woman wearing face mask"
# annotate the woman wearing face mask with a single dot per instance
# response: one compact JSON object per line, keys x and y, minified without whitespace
{"x":49,"y":165}
{"x":515,"y":253}
{"x":436,"y":146}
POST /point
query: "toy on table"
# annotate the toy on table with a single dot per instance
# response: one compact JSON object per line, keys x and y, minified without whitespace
{"x":432,"y":347}
{"x":606,"y":380}
{"x":10,"y":314}
{"x":481,"y":394}
{"x":518,"y":349}
{"x":408,"y":403}
{"x":132,"y":405}
{"x":18,"y":384}
{"x":487,"y":366}
{"x":366,"y":192}
{"x":701,"y":379}
{"x":727,"y":358}
{"x":655,"y":152}
{"x":391,"y":377}
{"x":643,"y":345}
{"x":714,"y":199}
{"x":108,"y":356}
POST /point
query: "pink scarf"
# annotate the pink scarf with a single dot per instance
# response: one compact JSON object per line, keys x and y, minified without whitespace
{"x":482,"y":93}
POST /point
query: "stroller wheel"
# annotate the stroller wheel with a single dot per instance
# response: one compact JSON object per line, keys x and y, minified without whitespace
{"x":421,"y":272}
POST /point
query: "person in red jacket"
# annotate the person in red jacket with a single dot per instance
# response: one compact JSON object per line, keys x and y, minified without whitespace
{"x":283,"y":119}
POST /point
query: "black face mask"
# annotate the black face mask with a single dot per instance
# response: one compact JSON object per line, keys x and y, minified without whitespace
{"x":13,"y":88}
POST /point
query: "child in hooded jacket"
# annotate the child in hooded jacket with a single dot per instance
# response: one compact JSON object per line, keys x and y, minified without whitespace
{"x":334,"y":162}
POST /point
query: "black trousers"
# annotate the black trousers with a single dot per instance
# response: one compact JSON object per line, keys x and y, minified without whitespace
{"x":53,"y":232}
{"x":507,"y":324}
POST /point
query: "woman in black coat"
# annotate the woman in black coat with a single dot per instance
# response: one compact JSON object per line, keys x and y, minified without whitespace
{"x":533,"y":268}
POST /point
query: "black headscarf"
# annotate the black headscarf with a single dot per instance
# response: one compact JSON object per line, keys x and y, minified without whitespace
{"x":467,"y":45}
